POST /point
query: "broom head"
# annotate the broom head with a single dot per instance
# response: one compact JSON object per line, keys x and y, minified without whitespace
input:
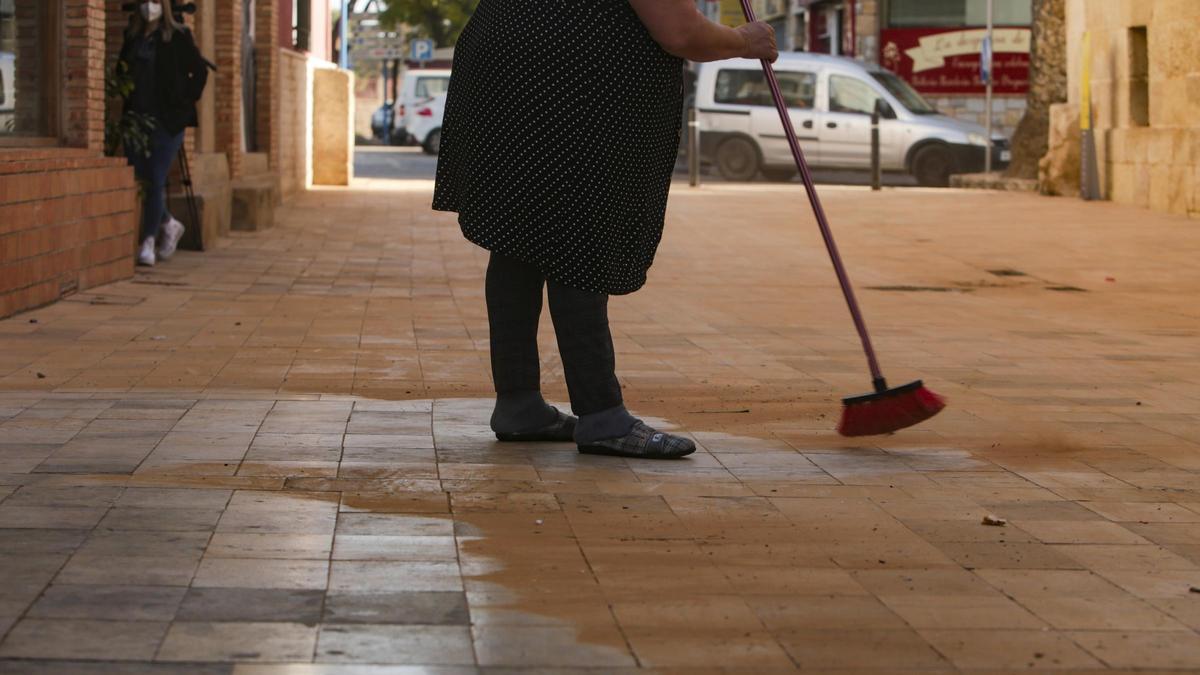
{"x":889,"y":410}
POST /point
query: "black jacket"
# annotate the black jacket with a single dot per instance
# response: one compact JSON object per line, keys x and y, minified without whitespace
{"x":178,"y":69}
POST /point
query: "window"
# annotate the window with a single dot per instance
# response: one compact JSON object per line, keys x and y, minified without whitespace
{"x":952,"y":13}
{"x":301,"y":24}
{"x":908,"y":97}
{"x":749,"y":87}
{"x":851,"y":95}
{"x":428,"y":87}
{"x":1139,"y":77}
{"x":28,"y":68}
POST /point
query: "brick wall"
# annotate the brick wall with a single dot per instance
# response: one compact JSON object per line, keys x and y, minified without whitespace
{"x":228,"y":82}
{"x":83,"y":53}
{"x":266,"y":36}
{"x":66,"y":224}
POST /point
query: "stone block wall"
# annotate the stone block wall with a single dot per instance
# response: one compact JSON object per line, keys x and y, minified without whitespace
{"x":1006,"y":110}
{"x":1151,"y":160}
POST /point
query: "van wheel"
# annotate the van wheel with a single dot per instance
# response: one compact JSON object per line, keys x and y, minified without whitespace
{"x":779,"y":174}
{"x":737,"y":159}
{"x":433,"y":142}
{"x":931,"y":166}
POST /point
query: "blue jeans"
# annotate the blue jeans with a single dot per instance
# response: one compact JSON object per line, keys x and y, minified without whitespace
{"x":152,"y":172}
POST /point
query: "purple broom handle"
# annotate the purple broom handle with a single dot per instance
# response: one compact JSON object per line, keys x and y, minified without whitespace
{"x":818,"y":210}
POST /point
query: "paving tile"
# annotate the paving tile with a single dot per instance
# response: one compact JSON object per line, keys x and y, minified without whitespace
{"x":372,"y":643}
{"x":860,"y":649}
{"x":84,"y":639}
{"x":1141,"y":650}
{"x":781,"y":613}
{"x":1106,"y":612}
{"x":1009,"y":650}
{"x":738,"y":650}
{"x":411,"y":607}
{"x":251,"y":605}
{"x":270,"y":545}
{"x":50,"y":517}
{"x":128,"y":570}
{"x":962,"y":612}
{"x":1079,"y":532}
{"x":128,"y":603}
{"x":23,"y":541}
{"x":352,"y":576}
{"x":173,"y":520}
{"x":261,"y":573}
{"x":202,"y":641}
{"x":387,"y":547}
{"x":550,"y":647}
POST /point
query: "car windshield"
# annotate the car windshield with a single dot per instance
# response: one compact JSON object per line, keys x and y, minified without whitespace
{"x":907,"y":96}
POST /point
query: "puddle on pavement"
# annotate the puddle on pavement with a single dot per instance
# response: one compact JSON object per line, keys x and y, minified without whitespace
{"x":520,"y":554}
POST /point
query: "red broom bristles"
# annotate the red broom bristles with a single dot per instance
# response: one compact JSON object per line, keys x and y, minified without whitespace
{"x":889,"y":413}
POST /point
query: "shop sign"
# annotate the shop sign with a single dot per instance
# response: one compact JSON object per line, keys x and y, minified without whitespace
{"x":948,"y":60}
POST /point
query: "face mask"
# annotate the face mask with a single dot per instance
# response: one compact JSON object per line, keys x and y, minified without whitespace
{"x":151,"y":11}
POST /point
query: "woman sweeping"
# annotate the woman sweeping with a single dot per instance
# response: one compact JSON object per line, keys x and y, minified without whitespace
{"x":558,"y":143}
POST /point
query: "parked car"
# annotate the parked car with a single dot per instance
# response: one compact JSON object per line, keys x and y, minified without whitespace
{"x":7,"y":90}
{"x":831,"y":99}
{"x":425,"y":127}
{"x":417,"y":90}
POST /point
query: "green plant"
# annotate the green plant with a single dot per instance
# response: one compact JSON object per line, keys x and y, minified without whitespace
{"x":129,"y":131}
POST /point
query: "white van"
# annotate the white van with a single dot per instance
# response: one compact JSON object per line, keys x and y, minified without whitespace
{"x":831,"y":99}
{"x":425,"y":124}
{"x":418,"y":89}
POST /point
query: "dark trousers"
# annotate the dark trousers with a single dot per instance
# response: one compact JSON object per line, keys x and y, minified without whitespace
{"x":152,"y":170}
{"x":514,"y":301}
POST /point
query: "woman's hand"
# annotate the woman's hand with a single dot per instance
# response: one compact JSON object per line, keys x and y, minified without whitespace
{"x":760,"y":41}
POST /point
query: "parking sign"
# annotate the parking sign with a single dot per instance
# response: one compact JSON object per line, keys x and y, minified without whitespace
{"x":421,"y":50}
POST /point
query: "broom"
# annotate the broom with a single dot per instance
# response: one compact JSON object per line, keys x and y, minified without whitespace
{"x":885,"y":410}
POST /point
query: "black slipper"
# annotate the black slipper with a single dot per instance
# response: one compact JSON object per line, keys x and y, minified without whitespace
{"x":642,"y":442}
{"x":561,"y":430}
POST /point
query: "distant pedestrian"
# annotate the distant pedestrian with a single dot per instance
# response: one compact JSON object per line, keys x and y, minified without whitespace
{"x":559,"y":140}
{"x":161,"y":56}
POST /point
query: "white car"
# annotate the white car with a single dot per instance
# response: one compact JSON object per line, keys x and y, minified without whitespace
{"x":830,"y":99}
{"x":418,"y":89}
{"x":425,"y":127}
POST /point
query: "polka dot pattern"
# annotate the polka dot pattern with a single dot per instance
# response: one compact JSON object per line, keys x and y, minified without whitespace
{"x":559,"y":139}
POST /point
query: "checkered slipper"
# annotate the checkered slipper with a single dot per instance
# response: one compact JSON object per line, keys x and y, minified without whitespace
{"x":642,"y":442}
{"x":561,"y":430}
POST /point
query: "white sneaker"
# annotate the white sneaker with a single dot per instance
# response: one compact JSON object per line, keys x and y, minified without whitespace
{"x":146,"y":253}
{"x":172,"y":231}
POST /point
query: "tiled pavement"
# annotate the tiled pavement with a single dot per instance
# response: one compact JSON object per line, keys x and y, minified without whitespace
{"x":276,"y":454}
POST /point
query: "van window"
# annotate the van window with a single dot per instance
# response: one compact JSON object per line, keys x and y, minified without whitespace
{"x":851,"y":95}
{"x":428,"y":87}
{"x":749,"y":87}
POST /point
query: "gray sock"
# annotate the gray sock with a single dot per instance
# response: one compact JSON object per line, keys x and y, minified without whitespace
{"x":611,"y":423}
{"x":521,"y":411}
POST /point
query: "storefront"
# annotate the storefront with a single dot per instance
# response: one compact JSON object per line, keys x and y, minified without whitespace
{"x":936,"y":46}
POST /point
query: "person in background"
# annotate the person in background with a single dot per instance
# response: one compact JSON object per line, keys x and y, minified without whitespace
{"x":159,"y":53}
{"x":559,"y":140}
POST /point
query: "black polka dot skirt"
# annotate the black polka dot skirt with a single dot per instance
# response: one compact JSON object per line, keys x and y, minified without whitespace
{"x":559,"y":139}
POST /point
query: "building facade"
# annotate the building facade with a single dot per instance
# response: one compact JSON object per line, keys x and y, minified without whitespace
{"x":68,"y":212}
{"x":1143,"y":73}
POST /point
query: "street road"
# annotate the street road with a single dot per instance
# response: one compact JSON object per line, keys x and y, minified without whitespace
{"x":377,"y":161}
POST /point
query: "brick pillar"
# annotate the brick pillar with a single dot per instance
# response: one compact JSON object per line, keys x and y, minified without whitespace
{"x":228,"y":41}
{"x":83,"y":74}
{"x":267,"y":57}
